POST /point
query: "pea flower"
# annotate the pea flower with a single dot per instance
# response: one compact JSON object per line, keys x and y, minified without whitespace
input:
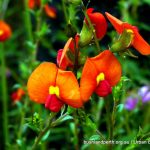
{"x":63,"y":61}
{"x":53,"y":87}
{"x":144,"y":93}
{"x":5,"y":31}
{"x":137,"y":41}
{"x":34,"y":3}
{"x":50,"y":11}
{"x":98,"y":21}
{"x":131,"y":103}
{"x":17,"y":95}
{"x":99,"y":75}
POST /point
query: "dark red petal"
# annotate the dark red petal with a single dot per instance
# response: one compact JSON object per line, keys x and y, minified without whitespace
{"x":98,"y":21}
{"x":53,"y":103}
{"x":103,"y":88}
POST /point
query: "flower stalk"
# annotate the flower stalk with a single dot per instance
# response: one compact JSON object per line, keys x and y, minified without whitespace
{"x":4,"y":94}
{"x":44,"y":131}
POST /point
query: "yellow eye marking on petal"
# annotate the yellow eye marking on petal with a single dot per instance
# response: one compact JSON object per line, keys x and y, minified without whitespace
{"x":54,"y":90}
{"x":129,"y":31}
{"x":100,"y":77}
{"x":1,"y":32}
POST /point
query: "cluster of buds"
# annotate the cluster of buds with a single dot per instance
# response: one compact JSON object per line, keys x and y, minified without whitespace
{"x":54,"y":86}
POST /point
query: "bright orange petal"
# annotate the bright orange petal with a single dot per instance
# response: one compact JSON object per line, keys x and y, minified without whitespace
{"x":68,"y":88}
{"x":63,"y":55}
{"x":88,"y":80}
{"x":40,"y":80}
{"x":140,"y":44}
{"x":5,"y":31}
{"x":50,"y":11}
{"x":117,"y":24}
{"x":108,"y":64}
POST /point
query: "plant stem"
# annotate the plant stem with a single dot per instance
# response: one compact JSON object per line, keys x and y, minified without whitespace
{"x":101,"y":135}
{"x":23,"y":112}
{"x":4,"y":95}
{"x":108,"y":117}
{"x":64,"y":10}
{"x":3,"y":8}
{"x":76,"y":57}
{"x":111,"y":119}
{"x":76,"y":132}
{"x":27,"y":21}
{"x":28,"y":26}
{"x":43,"y":132}
{"x":91,"y":28}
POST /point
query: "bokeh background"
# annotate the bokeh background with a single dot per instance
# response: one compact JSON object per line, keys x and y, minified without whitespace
{"x":130,"y":124}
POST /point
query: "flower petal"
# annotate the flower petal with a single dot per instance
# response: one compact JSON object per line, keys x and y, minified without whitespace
{"x":63,"y":55}
{"x":68,"y":88}
{"x":40,"y":80}
{"x":64,"y":62}
{"x":98,"y":21}
{"x":88,"y":81}
{"x":34,"y":3}
{"x":108,"y":64}
{"x":140,"y":44}
{"x":50,"y":11}
{"x":117,"y":24}
{"x":53,"y":103}
{"x":5,"y":31}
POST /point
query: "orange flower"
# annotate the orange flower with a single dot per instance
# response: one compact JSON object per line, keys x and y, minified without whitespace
{"x":98,"y":21}
{"x":50,"y":11}
{"x":138,"y":42}
{"x":34,"y":3}
{"x":62,"y":59}
{"x":5,"y":31}
{"x":17,"y":95}
{"x":54,"y":87}
{"x":99,"y":75}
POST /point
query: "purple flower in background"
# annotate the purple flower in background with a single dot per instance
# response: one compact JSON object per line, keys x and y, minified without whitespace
{"x":144,"y":92}
{"x":131,"y":103}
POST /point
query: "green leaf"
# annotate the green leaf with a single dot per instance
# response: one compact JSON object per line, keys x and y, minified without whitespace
{"x":68,"y":117}
{"x":120,"y":108}
{"x":45,"y":137}
{"x":95,"y":138}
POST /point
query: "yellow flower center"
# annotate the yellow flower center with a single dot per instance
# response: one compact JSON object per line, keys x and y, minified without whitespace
{"x":129,"y":31}
{"x":1,"y":32}
{"x":54,"y":90}
{"x":100,"y":77}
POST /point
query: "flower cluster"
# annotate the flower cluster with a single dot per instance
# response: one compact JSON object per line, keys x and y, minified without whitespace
{"x":54,"y":86}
